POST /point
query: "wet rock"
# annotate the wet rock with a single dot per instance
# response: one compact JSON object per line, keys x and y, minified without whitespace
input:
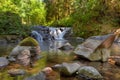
{"x":24,"y":57}
{"x":40,"y":76}
{"x":79,"y":39}
{"x":66,"y":69}
{"x":5,"y":39}
{"x":100,"y":37}
{"x":115,"y":49}
{"x":16,"y":72}
{"x":29,"y":41}
{"x":89,"y":73}
{"x":66,"y":46}
{"x":46,"y":74}
{"x":88,"y":50}
{"x":3,"y":62}
{"x":3,"y":42}
{"x":114,"y":60}
{"x":24,"y":54}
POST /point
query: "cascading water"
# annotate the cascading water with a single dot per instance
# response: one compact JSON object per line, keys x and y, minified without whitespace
{"x":58,"y":33}
{"x":37,"y":36}
{"x":49,"y":37}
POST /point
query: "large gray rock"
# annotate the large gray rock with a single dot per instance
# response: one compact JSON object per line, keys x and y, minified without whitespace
{"x":66,"y":69}
{"x":89,"y":72}
{"x":115,"y":48}
{"x":88,"y":50}
{"x":24,"y":54}
{"x":24,"y":57}
{"x":3,"y":62}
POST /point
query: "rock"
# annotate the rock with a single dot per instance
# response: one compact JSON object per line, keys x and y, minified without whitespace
{"x":18,"y":49}
{"x":38,"y":76}
{"x":24,"y":54}
{"x":115,"y":49}
{"x":66,"y":69}
{"x":46,"y":74}
{"x":114,"y":60}
{"x":89,"y":72}
{"x":29,"y":41}
{"x":87,"y":50}
{"x":24,"y":57}
{"x":66,"y":46}
{"x":3,"y":42}
{"x":100,"y":37}
{"x":79,"y":39}
{"x":3,"y":62}
{"x":16,"y":72}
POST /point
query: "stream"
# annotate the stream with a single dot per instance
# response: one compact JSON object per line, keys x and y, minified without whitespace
{"x":108,"y":71}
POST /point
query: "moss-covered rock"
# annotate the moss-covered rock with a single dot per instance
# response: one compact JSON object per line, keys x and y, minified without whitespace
{"x":29,"y":41}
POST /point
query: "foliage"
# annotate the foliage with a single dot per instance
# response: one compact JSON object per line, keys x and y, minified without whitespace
{"x":85,"y":12}
{"x":58,"y":11}
{"x":17,"y":15}
{"x":10,"y":23}
{"x":33,"y":12}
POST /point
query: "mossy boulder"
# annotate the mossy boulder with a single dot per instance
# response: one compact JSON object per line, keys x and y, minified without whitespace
{"x":29,"y":41}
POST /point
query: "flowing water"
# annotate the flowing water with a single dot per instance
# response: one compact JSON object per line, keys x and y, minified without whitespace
{"x":51,"y":55}
{"x":50,"y":58}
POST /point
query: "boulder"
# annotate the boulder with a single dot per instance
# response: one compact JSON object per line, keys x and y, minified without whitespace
{"x":16,"y":72}
{"x":89,"y":73}
{"x":26,"y":52}
{"x":24,"y":57}
{"x":66,"y":69}
{"x":66,"y":46}
{"x":88,"y":50}
{"x":3,"y":62}
{"x":29,"y":41}
{"x":115,"y":49}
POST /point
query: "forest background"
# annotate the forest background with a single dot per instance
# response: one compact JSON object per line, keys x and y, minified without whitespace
{"x":85,"y":17}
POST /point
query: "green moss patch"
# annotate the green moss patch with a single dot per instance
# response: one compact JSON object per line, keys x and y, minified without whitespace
{"x":29,"y":41}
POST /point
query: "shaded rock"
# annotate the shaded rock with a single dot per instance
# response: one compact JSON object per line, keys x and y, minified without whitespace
{"x":79,"y":39}
{"x":16,"y":72}
{"x":24,"y":54}
{"x":66,"y":69}
{"x":46,"y":74}
{"x":29,"y":41}
{"x":3,"y":42}
{"x":24,"y":57}
{"x":115,"y":49}
{"x":18,"y":49}
{"x":88,"y":50}
{"x":40,"y":76}
{"x":89,"y":72}
{"x":66,"y":46}
{"x":3,"y":62}
{"x":103,"y":37}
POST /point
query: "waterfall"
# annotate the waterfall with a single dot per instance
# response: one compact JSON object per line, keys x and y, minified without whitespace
{"x":58,"y":33}
{"x":37,"y":36}
{"x":49,"y":38}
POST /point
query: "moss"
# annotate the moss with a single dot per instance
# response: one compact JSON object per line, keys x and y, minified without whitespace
{"x":29,"y":41}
